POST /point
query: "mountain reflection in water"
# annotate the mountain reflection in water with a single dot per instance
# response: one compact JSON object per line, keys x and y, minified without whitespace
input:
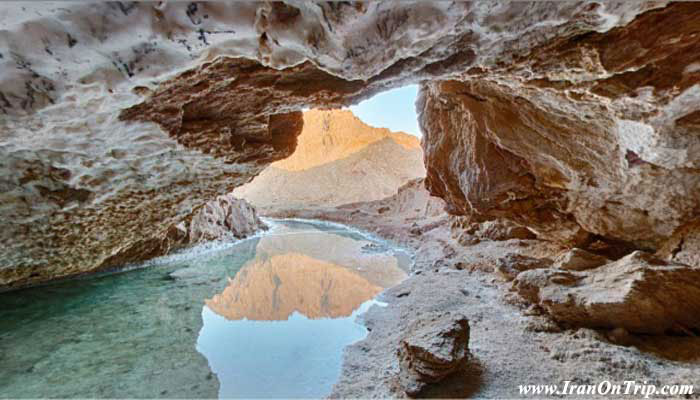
{"x":278,"y":328}
{"x":268,"y":316}
{"x":317,"y":274}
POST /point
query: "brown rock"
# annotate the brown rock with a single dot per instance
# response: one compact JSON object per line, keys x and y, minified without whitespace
{"x":568,"y":151}
{"x":579,"y":260}
{"x":511,"y":265}
{"x":503,"y":230}
{"x":639,"y":293}
{"x":434,"y":346}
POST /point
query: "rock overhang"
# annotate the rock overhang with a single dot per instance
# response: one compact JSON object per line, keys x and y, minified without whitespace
{"x":603,"y":107}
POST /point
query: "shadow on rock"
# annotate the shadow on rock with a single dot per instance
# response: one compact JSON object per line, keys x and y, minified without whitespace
{"x":461,"y":384}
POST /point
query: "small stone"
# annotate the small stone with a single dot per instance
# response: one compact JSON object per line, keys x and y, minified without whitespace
{"x":434,"y":347}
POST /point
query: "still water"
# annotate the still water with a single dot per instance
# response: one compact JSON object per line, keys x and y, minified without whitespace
{"x":265,"y":317}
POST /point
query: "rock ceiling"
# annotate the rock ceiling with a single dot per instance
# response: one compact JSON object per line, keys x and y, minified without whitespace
{"x":580,"y":120}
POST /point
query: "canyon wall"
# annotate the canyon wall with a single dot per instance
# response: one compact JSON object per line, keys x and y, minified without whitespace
{"x":118,"y":120}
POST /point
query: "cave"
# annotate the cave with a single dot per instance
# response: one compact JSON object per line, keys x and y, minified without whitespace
{"x":554,"y":237}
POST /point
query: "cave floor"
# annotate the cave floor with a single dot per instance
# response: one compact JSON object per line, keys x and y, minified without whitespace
{"x":511,"y":344}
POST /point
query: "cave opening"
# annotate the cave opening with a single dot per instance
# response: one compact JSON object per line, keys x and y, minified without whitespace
{"x":344,"y":156}
{"x":562,"y":243}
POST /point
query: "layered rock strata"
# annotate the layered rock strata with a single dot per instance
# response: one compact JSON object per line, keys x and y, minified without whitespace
{"x":638,"y":293}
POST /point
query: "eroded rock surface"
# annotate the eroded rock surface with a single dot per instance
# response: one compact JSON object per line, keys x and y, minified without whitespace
{"x":639,"y":293}
{"x":226,"y":217}
{"x":684,"y":245}
{"x":435,"y":346}
{"x":579,"y":137}
{"x":512,"y":265}
{"x":579,"y":260}
{"x":576,"y":120}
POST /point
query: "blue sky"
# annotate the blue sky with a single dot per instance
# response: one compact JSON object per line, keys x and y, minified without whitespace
{"x":394,"y":109}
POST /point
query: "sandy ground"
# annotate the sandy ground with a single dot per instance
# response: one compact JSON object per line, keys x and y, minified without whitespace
{"x":511,"y":344}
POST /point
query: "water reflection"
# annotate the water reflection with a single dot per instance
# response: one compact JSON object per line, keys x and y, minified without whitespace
{"x":273,"y":289}
{"x":278,"y":328}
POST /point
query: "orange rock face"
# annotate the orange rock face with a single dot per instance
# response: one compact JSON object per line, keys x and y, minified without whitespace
{"x":333,"y":135}
{"x":326,"y":290}
{"x":338,"y":160}
{"x":319,"y":276}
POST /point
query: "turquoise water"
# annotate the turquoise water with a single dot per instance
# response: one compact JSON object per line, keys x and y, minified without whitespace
{"x":264,"y":317}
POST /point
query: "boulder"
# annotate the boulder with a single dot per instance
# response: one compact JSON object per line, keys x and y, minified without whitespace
{"x":639,"y":293}
{"x":224,"y":218}
{"x":434,"y":347}
{"x":591,"y":142}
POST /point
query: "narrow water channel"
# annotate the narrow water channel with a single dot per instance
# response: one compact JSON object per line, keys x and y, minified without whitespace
{"x":265,"y":317}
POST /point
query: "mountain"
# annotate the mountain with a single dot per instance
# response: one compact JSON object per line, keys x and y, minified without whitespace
{"x":339,"y":159}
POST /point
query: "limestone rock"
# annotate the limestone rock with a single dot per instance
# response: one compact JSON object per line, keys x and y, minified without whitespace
{"x":224,"y":218}
{"x":513,"y":264}
{"x":639,"y":293}
{"x":579,"y":260}
{"x":589,"y":140}
{"x":434,"y":346}
{"x":503,"y":230}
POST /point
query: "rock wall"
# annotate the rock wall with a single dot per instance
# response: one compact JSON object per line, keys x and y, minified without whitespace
{"x":223,"y":218}
{"x":118,"y":120}
{"x":588,"y":136}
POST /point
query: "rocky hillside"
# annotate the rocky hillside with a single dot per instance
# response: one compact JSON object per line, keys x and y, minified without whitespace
{"x":339,"y":159}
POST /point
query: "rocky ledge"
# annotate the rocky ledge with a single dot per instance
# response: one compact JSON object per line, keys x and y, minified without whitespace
{"x":638,"y":293}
